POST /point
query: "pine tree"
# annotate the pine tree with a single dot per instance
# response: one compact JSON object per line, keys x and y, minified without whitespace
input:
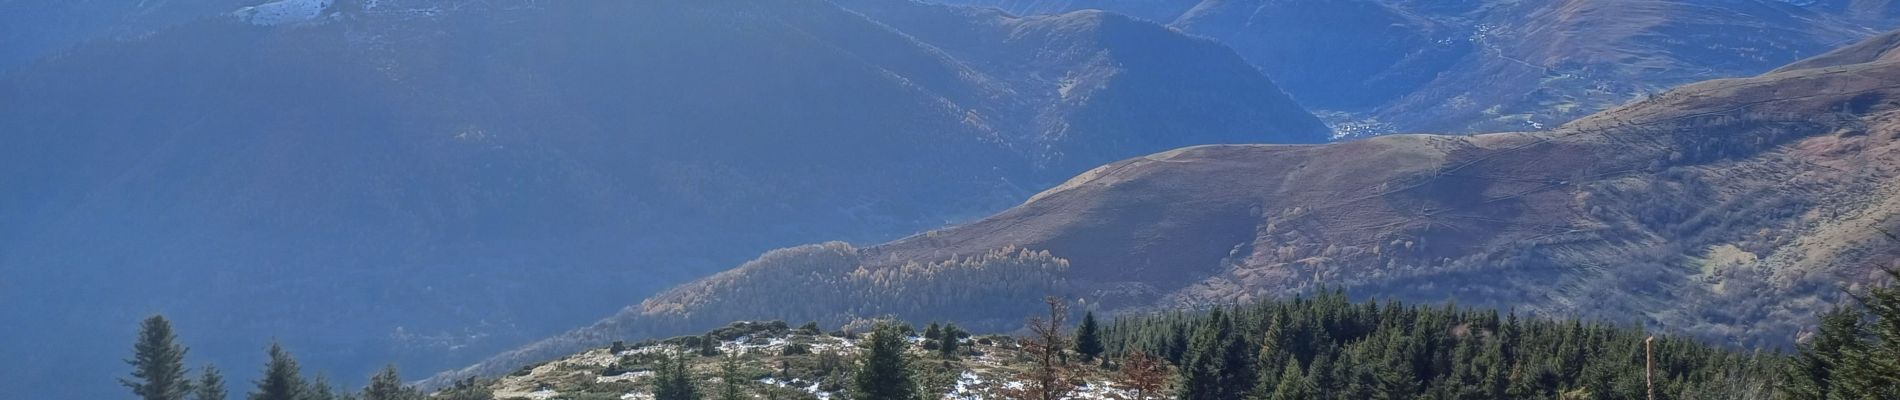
{"x":708,"y":345}
{"x":672,"y":380}
{"x":885,"y":373}
{"x":1271,"y":358}
{"x":1200,"y":368}
{"x":1236,"y":366}
{"x":1869,"y":368}
{"x":210,"y":385}
{"x":158,"y":363}
{"x":1811,"y":373}
{"x":1219,"y":365}
{"x":1883,"y":357}
{"x":1088,"y":338}
{"x":320,"y":389}
{"x":731,"y":380}
{"x":933,"y":332}
{"x":1295,"y":384}
{"x":387,"y":385}
{"x":282,"y":379}
{"x":952,"y":341}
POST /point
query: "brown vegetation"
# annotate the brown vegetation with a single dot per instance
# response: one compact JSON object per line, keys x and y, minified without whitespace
{"x":1731,"y":209}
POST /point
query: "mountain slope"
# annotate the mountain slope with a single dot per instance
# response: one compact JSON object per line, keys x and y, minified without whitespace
{"x":1732,"y":209}
{"x":1469,"y":66}
{"x":442,"y":185}
{"x":33,"y":29}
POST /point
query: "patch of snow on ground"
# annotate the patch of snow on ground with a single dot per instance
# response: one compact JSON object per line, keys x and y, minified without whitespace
{"x":284,"y":12}
{"x":543,"y":394}
{"x":744,"y":345}
{"x":1094,"y":390}
{"x":822,"y":344}
{"x":797,"y":384}
{"x":969,"y":387}
{"x":624,"y":377}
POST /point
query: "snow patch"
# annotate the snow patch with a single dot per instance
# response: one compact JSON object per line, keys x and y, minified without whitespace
{"x":798,"y":384}
{"x":282,"y":12}
{"x":623,"y":377}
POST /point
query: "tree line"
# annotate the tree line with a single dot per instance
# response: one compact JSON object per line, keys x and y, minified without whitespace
{"x":159,"y":373}
{"x":1320,"y":347}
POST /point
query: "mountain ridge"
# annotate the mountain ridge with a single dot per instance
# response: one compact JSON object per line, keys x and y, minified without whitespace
{"x":1732,"y":209}
{"x":1477,"y":66}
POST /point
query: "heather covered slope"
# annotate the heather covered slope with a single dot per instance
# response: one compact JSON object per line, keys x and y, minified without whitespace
{"x":1730,"y":209}
{"x":1469,"y":66}
{"x":439,"y":186}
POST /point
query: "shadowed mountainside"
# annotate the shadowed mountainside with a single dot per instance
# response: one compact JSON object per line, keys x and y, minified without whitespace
{"x":436,"y":186}
{"x":1731,"y":209}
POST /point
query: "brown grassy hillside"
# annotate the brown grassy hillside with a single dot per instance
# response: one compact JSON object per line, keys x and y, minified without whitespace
{"x":1731,"y":209}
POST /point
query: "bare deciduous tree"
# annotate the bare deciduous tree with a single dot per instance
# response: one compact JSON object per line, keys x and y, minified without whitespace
{"x":1144,"y":377}
{"x":1050,"y":379}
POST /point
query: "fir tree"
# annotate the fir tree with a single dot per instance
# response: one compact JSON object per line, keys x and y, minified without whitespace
{"x":387,"y":385}
{"x":731,"y":379}
{"x":708,"y":345}
{"x":1869,"y":368}
{"x":885,"y":373}
{"x":933,"y":332}
{"x":320,"y":389}
{"x":1200,"y":368}
{"x":1218,"y":365}
{"x":1088,"y":338}
{"x":210,"y":384}
{"x":158,"y":363}
{"x":282,"y":378}
{"x":672,"y":380}
{"x":952,"y":341}
{"x":1271,"y":358}
{"x":1811,"y":373}
{"x":1295,"y":384}
{"x":1236,"y":366}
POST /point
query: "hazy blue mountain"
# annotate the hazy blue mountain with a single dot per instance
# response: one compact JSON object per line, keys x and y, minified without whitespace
{"x":1466,"y":66}
{"x":31,"y":29}
{"x":428,"y":184}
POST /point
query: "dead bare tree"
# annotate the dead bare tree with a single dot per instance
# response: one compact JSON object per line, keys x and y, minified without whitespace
{"x":1050,"y":379}
{"x":1649,"y":367}
{"x":1144,"y":377}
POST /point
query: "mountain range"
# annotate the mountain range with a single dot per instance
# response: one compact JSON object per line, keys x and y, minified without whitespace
{"x":1470,"y":66}
{"x":1732,"y":209}
{"x":415,"y":181}
{"x":430,"y":182}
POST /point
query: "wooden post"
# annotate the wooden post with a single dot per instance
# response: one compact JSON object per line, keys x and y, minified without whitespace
{"x":1649,"y":370}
